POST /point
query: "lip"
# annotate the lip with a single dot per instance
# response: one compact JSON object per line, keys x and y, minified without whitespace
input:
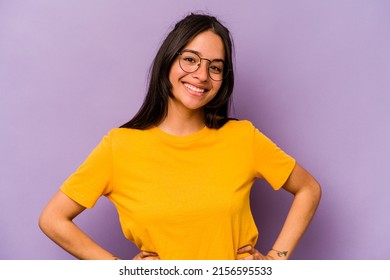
{"x":188,"y":86}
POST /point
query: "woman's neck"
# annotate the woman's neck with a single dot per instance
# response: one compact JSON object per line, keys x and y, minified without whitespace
{"x":182,"y":122}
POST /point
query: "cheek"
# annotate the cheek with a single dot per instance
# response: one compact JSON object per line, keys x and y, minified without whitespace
{"x":217,"y":87}
{"x":175,"y":73}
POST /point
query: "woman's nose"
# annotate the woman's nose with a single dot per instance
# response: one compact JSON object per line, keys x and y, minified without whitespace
{"x":202,"y":73}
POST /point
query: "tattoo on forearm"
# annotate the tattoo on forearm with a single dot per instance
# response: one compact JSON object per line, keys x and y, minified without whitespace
{"x":280,"y":253}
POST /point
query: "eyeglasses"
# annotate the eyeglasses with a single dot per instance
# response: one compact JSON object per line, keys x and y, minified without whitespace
{"x":190,"y":62}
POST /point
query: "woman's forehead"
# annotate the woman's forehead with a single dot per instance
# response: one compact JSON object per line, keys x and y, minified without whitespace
{"x":208,"y":45}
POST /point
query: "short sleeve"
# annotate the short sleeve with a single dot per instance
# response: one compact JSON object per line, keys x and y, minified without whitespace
{"x":271,"y":163}
{"x":93,"y":178}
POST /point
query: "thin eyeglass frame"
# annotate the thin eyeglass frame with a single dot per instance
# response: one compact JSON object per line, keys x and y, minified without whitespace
{"x":225,"y":65}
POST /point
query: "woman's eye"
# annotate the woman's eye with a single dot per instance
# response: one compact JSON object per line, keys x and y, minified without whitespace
{"x":189,"y":59}
{"x":215,"y":69}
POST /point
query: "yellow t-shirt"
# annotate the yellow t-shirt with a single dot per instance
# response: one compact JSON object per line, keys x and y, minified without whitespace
{"x":183,"y":197}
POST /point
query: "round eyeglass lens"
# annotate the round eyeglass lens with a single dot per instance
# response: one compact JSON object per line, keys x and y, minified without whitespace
{"x":190,"y":62}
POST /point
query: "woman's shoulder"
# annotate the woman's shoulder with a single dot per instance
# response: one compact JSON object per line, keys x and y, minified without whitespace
{"x":239,"y":125}
{"x":121,"y":134}
{"x":240,"y":130}
{"x":123,"y":131}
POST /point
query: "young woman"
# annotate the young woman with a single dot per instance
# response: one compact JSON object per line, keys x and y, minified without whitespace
{"x":180,"y":172}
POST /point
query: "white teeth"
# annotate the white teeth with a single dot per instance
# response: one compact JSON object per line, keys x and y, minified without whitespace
{"x":191,"y":87}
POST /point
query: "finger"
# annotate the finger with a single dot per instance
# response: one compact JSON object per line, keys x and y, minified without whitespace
{"x":145,"y":254}
{"x":257,"y":255}
{"x":151,"y":258}
{"x":148,"y":254}
{"x":246,"y":249}
{"x":137,"y":257}
{"x":250,"y":257}
{"x":254,"y":253}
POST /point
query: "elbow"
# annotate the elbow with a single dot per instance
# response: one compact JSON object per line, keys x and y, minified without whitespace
{"x":46,"y":222}
{"x":316,"y":192}
{"x":311,"y":192}
{"x":43,"y":222}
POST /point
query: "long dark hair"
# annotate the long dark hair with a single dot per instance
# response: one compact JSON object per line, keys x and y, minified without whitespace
{"x":155,"y":106}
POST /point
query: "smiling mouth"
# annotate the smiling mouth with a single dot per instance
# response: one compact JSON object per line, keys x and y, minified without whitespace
{"x":195,"y":89}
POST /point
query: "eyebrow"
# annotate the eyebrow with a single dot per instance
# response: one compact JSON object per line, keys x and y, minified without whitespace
{"x":198,"y":53}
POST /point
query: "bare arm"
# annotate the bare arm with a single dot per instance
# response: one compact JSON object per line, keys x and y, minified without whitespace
{"x":56,"y":221}
{"x":307,"y":194}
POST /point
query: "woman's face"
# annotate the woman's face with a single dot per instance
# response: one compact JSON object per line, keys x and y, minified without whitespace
{"x":191,"y":91}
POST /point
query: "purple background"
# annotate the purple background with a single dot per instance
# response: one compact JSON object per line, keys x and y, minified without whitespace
{"x":312,"y":75}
